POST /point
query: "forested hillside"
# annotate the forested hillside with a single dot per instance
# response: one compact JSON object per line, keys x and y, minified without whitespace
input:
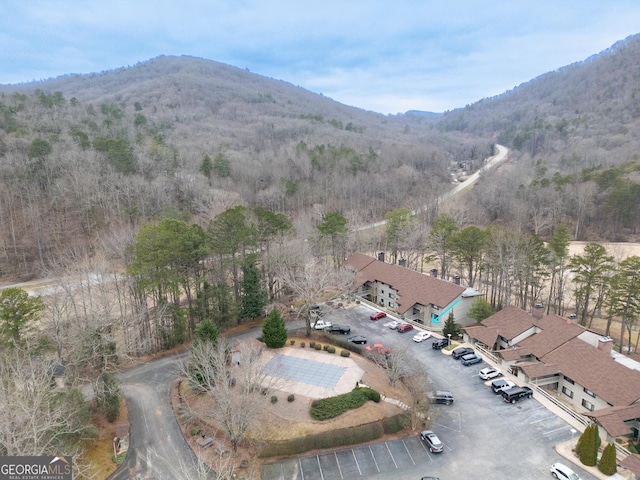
{"x":574,"y":135}
{"x":86,"y":157}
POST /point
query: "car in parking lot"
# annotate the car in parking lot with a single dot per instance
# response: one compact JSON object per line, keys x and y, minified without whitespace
{"x":377,"y":315}
{"x":359,"y":339}
{"x":395,"y":324}
{"x":439,"y":344}
{"x":461,"y":351}
{"x":498,"y":385}
{"x":405,"y":327}
{"x":515,"y":394}
{"x":432,"y":441}
{"x":421,"y":336}
{"x":558,"y":470}
{"x":441,"y":396}
{"x":489,"y":373}
{"x":377,"y":348}
{"x":341,"y":329}
{"x":470,"y":359}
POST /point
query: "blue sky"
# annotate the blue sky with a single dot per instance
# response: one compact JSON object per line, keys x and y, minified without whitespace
{"x":387,"y":56}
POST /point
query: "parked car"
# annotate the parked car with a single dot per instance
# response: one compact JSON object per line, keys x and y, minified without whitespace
{"x":441,"y":396}
{"x":439,"y":344}
{"x":432,"y":441}
{"x":377,"y":348}
{"x":470,"y":359}
{"x":498,"y":385}
{"x":359,"y":339}
{"x":421,"y":336}
{"x":515,"y":394}
{"x":461,"y":352}
{"x":489,"y":373}
{"x":395,"y":324}
{"x":341,"y":329}
{"x":558,"y":470}
{"x":321,"y":325}
{"x":405,"y":327}
{"x":377,"y":315}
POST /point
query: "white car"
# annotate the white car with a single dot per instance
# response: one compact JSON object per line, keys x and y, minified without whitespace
{"x":395,"y":324}
{"x":421,"y":336}
{"x":558,"y":470}
{"x":489,"y":373}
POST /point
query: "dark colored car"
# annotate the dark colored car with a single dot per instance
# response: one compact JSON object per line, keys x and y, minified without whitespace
{"x":405,"y":327}
{"x":439,"y":344}
{"x":470,"y":359}
{"x":432,"y":441}
{"x":441,"y":396}
{"x":377,"y":315}
{"x":359,"y":339}
{"x":341,"y":329}
{"x":461,"y":352}
{"x":515,"y":394}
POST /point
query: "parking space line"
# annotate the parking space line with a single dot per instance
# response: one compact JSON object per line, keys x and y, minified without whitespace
{"x":391,"y":454}
{"x":356,"y":460}
{"x":301,"y":469}
{"x":320,"y":467}
{"x":555,"y":430}
{"x":374,"y":459}
{"x":542,"y":419}
{"x":335,"y":453}
{"x":410,"y":456}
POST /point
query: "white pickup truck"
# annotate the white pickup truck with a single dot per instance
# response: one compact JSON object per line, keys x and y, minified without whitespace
{"x":321,"y":324}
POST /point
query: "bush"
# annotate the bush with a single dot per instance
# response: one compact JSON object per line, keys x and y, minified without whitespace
{"x":292,"y":342}
{"x":301,"y":344}
{"x":195,"y":431}
{"x":345,"y":353}
{"x":325,"y":348}
{"x":312,"y":344}
{"x":587,"y":447}
{"x":331,"y":407}
{"x":331,"y":350}
{"x":318,"y":346}
{"x":371,"y":394}
{"x":274,"y":399}
{"x":291,"y":398}
{"x":607,"y":463}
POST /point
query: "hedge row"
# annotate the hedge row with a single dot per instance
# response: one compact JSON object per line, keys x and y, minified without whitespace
{"x":331,"y":407}
{"x":336,"y":438}
{"x":340,"y":342}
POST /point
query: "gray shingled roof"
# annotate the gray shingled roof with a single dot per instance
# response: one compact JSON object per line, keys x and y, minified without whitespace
{"x":412,"y":287}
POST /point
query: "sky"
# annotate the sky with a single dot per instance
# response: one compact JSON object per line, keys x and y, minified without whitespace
{"x":387,"y":56}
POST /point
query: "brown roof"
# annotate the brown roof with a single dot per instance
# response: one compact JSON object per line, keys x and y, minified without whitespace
{"x":612,"y":419}
{"x":488,"y":336}
{"x":597,"y":371}
{"x":632,"y":463}
{"x":412,"y":287}
{"x":555,"y":331}
{"x":509,"y":322}
{"x":538,"y":369}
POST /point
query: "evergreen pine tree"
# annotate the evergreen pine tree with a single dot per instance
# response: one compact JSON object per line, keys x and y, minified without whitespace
{"x":274,"y":330}
{"x":589,"y":446}
{"x":451,"y":327}
{"x":254,"y":295}
{"x":607,"y":463}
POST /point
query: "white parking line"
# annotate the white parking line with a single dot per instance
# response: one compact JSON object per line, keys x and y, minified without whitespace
{"x":320,"y":467}
{"x":555,"y":430}
{"x":374,"y":459}
{"x":301,"y":469}
{"x":338,"y":463}
{"x":356,"y":460}
{"x":542,"y":419}
{"x":391,"y":454}
{"x":410,"y":456}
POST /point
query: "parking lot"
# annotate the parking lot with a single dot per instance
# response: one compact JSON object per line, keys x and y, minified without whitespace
{"x":484,"y":437}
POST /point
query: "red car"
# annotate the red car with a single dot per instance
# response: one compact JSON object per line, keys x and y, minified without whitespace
{"x":378,"y":348}
{"x":405,"y":327}
{"x":377,"y":315}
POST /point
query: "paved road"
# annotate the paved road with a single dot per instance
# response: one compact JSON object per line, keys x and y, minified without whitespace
{"x":484,"y":437}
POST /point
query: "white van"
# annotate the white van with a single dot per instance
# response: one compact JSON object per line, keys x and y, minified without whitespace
{"x":562,"y":472}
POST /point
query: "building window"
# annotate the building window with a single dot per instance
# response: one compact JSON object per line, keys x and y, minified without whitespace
{"x":567,"y":392}
{"x":588,"y":405}
{"x":382,"y":291}
{"x":568,"y":380}
{"x":589,"y":392}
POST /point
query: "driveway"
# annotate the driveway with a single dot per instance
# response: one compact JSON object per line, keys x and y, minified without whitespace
{"x":484,"y":437}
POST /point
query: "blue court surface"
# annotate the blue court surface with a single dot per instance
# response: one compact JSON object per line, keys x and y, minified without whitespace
{"x":304,"y":371}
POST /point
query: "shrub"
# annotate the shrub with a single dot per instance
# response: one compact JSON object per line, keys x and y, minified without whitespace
{"x":318,"y":346}
{"x":587,"y":447}
{"x":274,"y":399}
{"x":301,"y":344}
{"x":292,"y":342}
{"x":291,"y":398}
{"x":607,"y":463}
{"x":195,"y":431}
{"x":331,"y":350}
{"x":331,"y":407}
{"x":345,"y":353}
{"x":325,"y":348}
{"x":312,"y":344}
{"x":371,"y":394}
